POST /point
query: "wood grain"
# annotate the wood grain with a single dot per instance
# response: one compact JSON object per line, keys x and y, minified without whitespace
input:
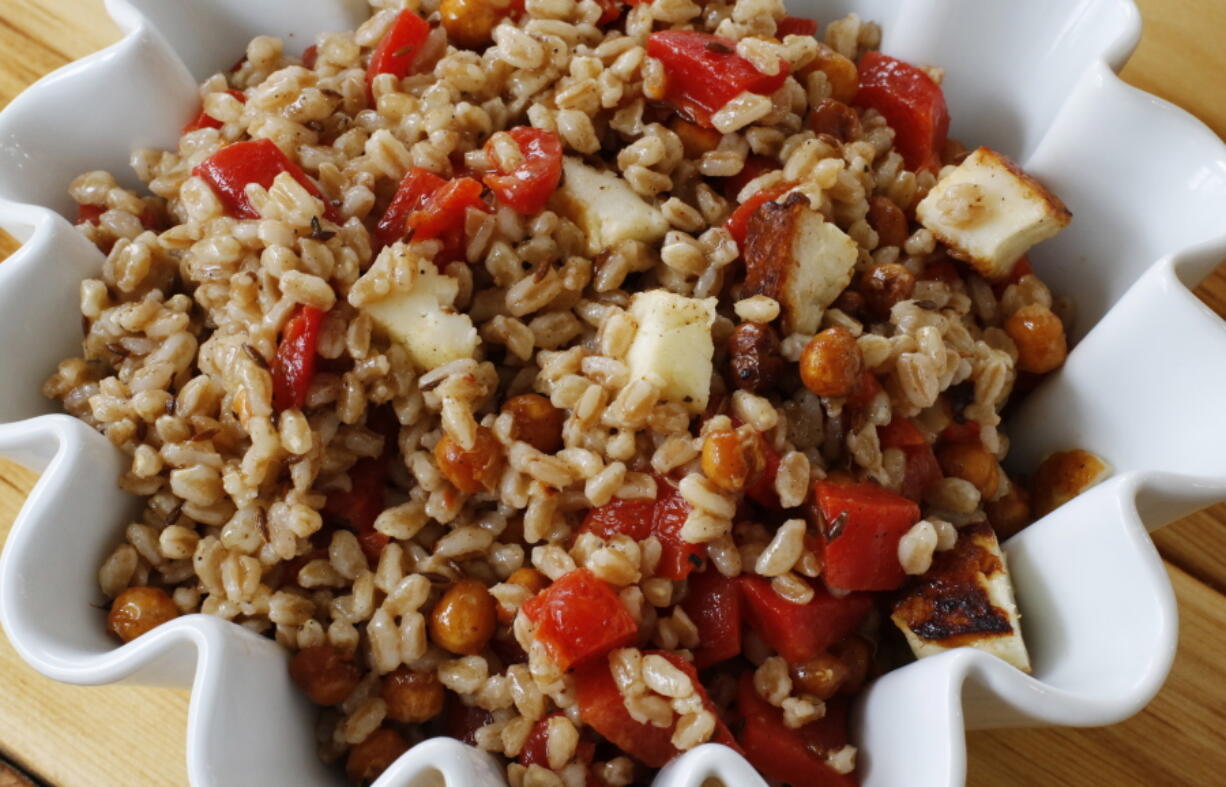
{"x":118,"y":735}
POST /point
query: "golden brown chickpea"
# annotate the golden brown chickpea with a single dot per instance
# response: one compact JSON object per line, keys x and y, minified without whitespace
{"x":464,"y":618}
{"x":325,"y":674}
{"x":730,"y":461}
{"x":888,"y":220}
{"x":1011,"y":513}
{"x":138,"y":610}
{"x":822,"y":677}
{"x":885,"y":285}
{"x":835,"y":119}
{"x":470,"y":23}
{"x":695,"y":140}
{"x":536,"y":421}
{"x":1039,"y":336}
{"x":372,"y":756}
{"x":474,"y":470}
{"x":412,"y":697}
{"x":972,"y":462}
{"x":843,"y":75}
{"x":856,"y":653}
{"x":1062,"y":476}
{"x":830,"y":365}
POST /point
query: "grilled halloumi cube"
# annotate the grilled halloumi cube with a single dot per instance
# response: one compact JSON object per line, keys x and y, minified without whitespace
{"x":965,"y":599}
{"x":605,"y":207}
{"x":424,"y":319}
{"x":673,"y":346}
{"x":989,"y":213}
{"x":795,"y":256}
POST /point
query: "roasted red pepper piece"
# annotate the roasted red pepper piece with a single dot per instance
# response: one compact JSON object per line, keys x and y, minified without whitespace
{"x":864,"y":394}
{"x":703,"y":72}
{"x":922,"y":469}
{"x":786,"y":755}
{"x":738,"y":223}
{"x":602,"y":707}
{"x":415,"y":189}
{"x":294,"y":365}
{"x":795,"y":26}
{"x":527,"y":187}
{"x":625,"y":517}
{"x":229,"y":170}
{"x":89,"y":214}
{"x":911,"y":103}
{"x":801,"y":632}
{"x":965,"y":432}
{"x":534,"y":751}
{"x":763,"y":491}
{"x":358,"y":508}
{"x":755,"y":166}
{"x":204,"y":120}
{"x":900,"y":432}
{"x":713,"y":602}
{"x":579,"y":619}
{"x":398,"y":49}
{"x":639,"y":519}
{"x":864,"y":523}
{"x":443,"y":213}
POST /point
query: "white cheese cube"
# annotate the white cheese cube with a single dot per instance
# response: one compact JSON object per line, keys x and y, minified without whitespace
{"x":989,"y":212}
{"x":424,"y":319}
{"x":605,"y":207}
{"x":673,"y":346}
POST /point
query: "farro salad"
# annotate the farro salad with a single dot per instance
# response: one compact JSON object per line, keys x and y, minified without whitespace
{"x":583,"y":380}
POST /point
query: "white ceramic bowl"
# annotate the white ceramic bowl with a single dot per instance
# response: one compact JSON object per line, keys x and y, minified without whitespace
{"x":1146,"y":181}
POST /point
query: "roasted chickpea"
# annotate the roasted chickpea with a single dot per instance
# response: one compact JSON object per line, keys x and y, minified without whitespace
{"x":822,"y":677}
{"x":1062,"y":476}
{"x":1039,"y":336}
{"x":755,"y":356}
{"x":885,"y":285}
{"x":888,"y":220}
{"x":464,"y":618}
{"x":412,"y":697}
{"x":730,"y":461}
{"x":850,"y":303}
{"x":836,"y":119}
{"x":138,"y":610}
{"x":536,"y":421}
{"x":372,"y":756}
{"x":473,"y":470}
{"x":831,"y":363}
{"x":695,"y":139}
{"x":972,"y":462}
{"x":1009,"y":514}
{"x":843,"y":75}
{"x":325,"y":674}
{"x":856,"y":653}
{"x":470,"y":23}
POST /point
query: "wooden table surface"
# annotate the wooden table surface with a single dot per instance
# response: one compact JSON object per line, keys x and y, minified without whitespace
{"x":97,"y":737}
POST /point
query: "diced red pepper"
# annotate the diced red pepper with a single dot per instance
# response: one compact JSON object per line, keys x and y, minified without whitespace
{"x":738,"y":223}
{"x":602,"y":707}
{"x":534,"y":751}
{"x":90,"y":214}
{"x":703,"y":72}
{"x":784,"y":754}
{"x":205,"y":120}
{"x":755,"y":166}
{"x":864,"y":523}
{"x":713,"y":602}
{"x":443,"y":213}
{"x":529,"y":186}
{"x":865,"y":392}
{"x":358,"y":508}
{"x":610,"y":10}
{"x":294,"y":365}
{"x":920,"y":472}
{"x":662,"y":517}
{"x":801,"y":632}
{"x":415,"y":189}
{"x":632,"y":518}
{"x":965,"y":432}
{"x":398,"y":49}
{"x":229,"y":170}
{"x":763,"y":491}
{"x":911,"y":103}
{"x":579,"y":619}
{"x":900,"y":432}
{"x":795,"y":26}
{"x":310,"y":56}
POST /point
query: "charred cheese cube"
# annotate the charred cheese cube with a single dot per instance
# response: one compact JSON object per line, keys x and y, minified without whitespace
{"x":673,"y":346}
{"x":795,"y":256}
{"x":964,"y":600}
{"x":605,"y":207}
{"x":989,"y":213}
{"x":424,"y":319}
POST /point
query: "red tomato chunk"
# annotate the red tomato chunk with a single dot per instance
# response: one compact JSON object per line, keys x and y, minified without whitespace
{"x":801,"y":632}
{"x":579,"y":618}
{"x":398,"y":49}
{"x":713,"y":602}
{"x":526,"y":188}
{"x":791,"y":756}
{"x":911,"y":103}
{"x":703,"y":72}
{"x":294,"y":366}
{"x":864,"y":525}
{"x":229,"y":170}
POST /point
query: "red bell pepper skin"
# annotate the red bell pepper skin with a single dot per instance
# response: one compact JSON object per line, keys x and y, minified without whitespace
{"x":783,"y":754}
{"x":911,"y":103}
{"x":529,"y":186}
{"x":900,"y":432}
{"x":603,"y":708}
{"x":398,"y":49}
{"x":865,"y":392}
{"x":204,"y":120}
{"x":443,"y":213}
{"x":755,"y":166}
{"x":294,"y":365}
{"x":229,"y":170}
{"x":801,"y":632}
{"x":662,"y":517}
{"x":632,"y":518}
{"x":864,"y":525}
{"x":580,"y":619}
{"x":922,"y":468}
{"x":738,"y":223}
{"x":713,"y":602}
{"x":358,"y":508}
{"x":965,"y":432}
{"x":703,"y":72}
{"x":415,"y":189}
{"x":763,"y":491}
{"x":534,"y":751}
{"x":795,"y":26}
